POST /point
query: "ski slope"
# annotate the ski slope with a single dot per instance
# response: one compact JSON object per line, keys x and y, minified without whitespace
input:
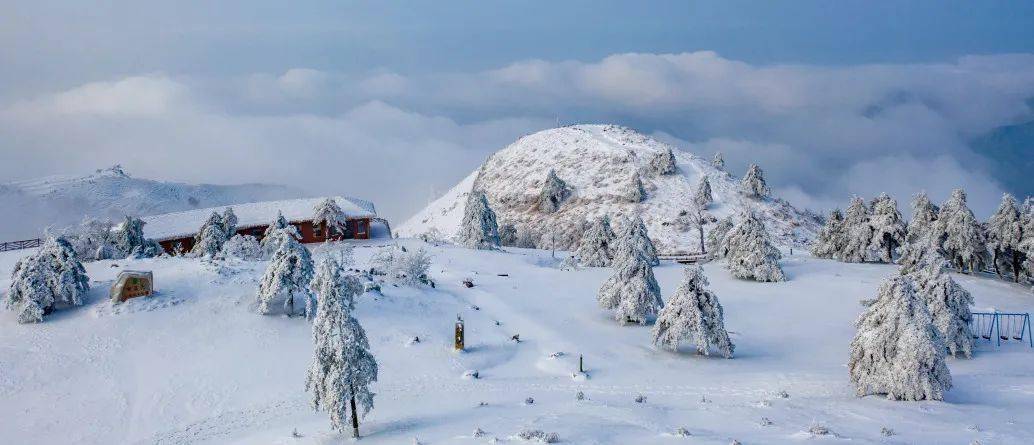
{"x":197,"y":364}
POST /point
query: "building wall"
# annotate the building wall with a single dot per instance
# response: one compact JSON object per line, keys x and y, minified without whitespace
{"x":356,"y":229}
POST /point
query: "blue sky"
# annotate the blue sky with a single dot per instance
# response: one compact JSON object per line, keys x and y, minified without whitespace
{"x":819,"y":93}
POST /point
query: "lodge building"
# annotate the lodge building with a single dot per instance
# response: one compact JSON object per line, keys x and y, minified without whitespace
{"x":175,"y":232}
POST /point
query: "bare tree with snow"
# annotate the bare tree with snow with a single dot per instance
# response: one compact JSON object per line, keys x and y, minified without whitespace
{"x":342,"y":366}
{"x":479,"y":229}
{"x":964,"y":242}
{"x":633,"y":237}
{"x":750,"y":253}
{"x":632,"y":291}
{"x":663,"y":163}
{"x":1004,"y":235}
{"x":831,"y":238}
{"x":753,"y":182}
{"x":634,"y":191}
{"x":287,"y":276}
{"x":693,"y":313}
{"x":702,"y":197}
{"x":718,"y":161}
{"x":888,"y":229}
{"x":595,"y":248}
{"x":716,"y":237}
{"x":897,"y":350}
{"x":949,"y":305}
{"x":52,"y":275}
{"x":858,"y":245}
{"x":328,"y":216}
{"x":554,"y":192}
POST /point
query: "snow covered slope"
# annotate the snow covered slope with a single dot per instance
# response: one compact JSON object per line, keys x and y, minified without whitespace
{"x":196,"y":364}
{"x":111,"y":193}
{"x":598,"y":162}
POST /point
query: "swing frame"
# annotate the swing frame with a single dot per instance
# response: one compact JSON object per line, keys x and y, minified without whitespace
{"x":995,"y":329}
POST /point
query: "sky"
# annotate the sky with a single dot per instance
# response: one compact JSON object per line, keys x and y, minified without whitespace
{"x":397,"y":102}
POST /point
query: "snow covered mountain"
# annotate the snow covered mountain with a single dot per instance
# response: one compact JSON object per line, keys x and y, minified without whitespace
{"x":112,"y":193}
{"x":598,"y":163}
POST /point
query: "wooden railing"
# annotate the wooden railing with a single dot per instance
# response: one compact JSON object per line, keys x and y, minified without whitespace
{"x":683,"y":257}
{"x":17,"y":245}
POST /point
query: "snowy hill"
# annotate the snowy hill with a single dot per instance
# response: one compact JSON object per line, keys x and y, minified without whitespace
{"x":197,"y":364}
{"x":111,"y":193}
{"x":598,"y":162}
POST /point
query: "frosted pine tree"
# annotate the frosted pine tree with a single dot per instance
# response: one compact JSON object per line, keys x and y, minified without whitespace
{"x":897,"y":351}
{"x":634,"y":191}
{"x":888,"y":229}
{"x":275,"y":234}
{"x":632,"y":291}
{"x":751,"y":254}
{"x":287,"y":276}
{"x":554,"y":192}
{"x":949,"y":306}
{"x":858,"y":245}
{"x":342,"y":366}
{"x":832,"y":237}
{"x":718,"y":161}
{"x":663,"y":163}
{"x":702,"y":197}
{"x":127,"y":240}
{"x":1004,"y":236}
{"x":52,"y":275}
{"x":693,"y":313}
{"x":210,"y":237}
{"x":1027,"y":245}
{"x":229,"y":222}
{"x":716,"y":238}
{"x":919,"y":253}
{"x":964,"y":242}
{"x":278,"y":223}
{"x":924,"y":214}
{"x":634,"y":237}
{"x":329,"y":217}
{"x":594,"y":250}
{"x":480,"y":229}
{"x":753,"y":182}
{"x":242,"y":247}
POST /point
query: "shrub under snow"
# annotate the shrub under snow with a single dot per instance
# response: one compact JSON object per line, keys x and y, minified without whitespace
{"x":404,"y":266}
{"x":242,"y":247}
{"x":50,"y":276}
{"x":693,"y":313}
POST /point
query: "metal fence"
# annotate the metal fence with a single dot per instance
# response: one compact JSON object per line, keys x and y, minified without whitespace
{"x":1001,"y":326}
{"x":18,"y":245}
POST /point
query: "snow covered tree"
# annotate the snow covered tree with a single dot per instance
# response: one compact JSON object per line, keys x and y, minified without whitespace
{"x":329,"y":217}
{"x":404,"y":266}
{"x":832,"y":237}
{"x":695,"y":219}
{"x":342,"y":366}
{"x":888,"y":229}
{"x":753,"y":182}
{"x":594,"y":250}
{"x":948,"y":303}
{"x":242,"y":247}
{"x":508,"y":235}
{"x":633,"y":237}
{"x":480,"y":229}
{"x":1027,"y":245}
{"x":693,"y":313}
{"x":287,"y":276}
{"x":716,"y":238}
{"x":554,"y":192}
{"x":634,"y":191}
{"x":897,"y":351}
{"x":128,"y":240}
{"x":90,"y":237}
{"x":275,"y":234}
{"x":528,"y":237}
{"x":278,"y":223}
{"x":751,"y":254}
{"x":632,"y":291}
{"x":702,"y":197}
{"x":663,"y":163}
{"x":1004,"y":236}
{"x":858,"y":245}
{"x":229,"y":222}
{"x":919,"y":253}
{"x":718,"y":161}
{"x":52,"y":275}
{"x":210,"y":237}
{"x":964,"y":242}
{"x":924,"y":214}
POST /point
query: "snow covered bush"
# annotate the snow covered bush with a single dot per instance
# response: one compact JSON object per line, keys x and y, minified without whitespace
{"x":91,"y":239}
{"x":693,"y":313}
{"x":328,"y":215}
{"x":634,"y":191}
{"x":52,"y":275}
{"x":633,"y":237}
{"x":716,"y":237}
{"x":479,"y":229}
{"x":858,"y":244}
{"x":632,"y":291}
{"x":949,"y":306}
{"x":287,"y":276}
{"x":538,"y":436}
{"x":702,"y":197}
{"x":527,"y":237}
{"x":753,"y":182}
{"x":888,"y":229}
{"x":963,"y":239}
{"x":242,"y":247}
{"x":897,"y":351}
{"x":404,"y":266}
{"x":128,"y":240}
{"x":1004,"y":235}
{"x":342,"y":366}
{"x":832,"y":237}
{"x":597,"y":242}
{"x":508,"y":235}
{"x":663,"y":163}
{"x":750,"y":253}
{"x":554,"y":192}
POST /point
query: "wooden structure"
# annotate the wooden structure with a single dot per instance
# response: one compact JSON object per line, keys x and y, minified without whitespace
{"x":132,"y":284}
{"x":358,"y":228}
{"x":23,"y":244}
{"x":459,"y":334}
{"x":684,"y":257}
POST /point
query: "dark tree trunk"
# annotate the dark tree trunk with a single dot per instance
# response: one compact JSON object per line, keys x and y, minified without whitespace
{"x":355,"y":418}
{"x":994,"y":259}
{"x":1016,"y":266}
{"x":702,"y":249}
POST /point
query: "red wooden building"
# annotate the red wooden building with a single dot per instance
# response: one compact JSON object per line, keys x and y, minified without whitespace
{"x":176,"y":231}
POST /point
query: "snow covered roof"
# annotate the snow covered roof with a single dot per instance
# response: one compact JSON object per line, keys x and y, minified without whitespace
{"x":180,"y":224}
